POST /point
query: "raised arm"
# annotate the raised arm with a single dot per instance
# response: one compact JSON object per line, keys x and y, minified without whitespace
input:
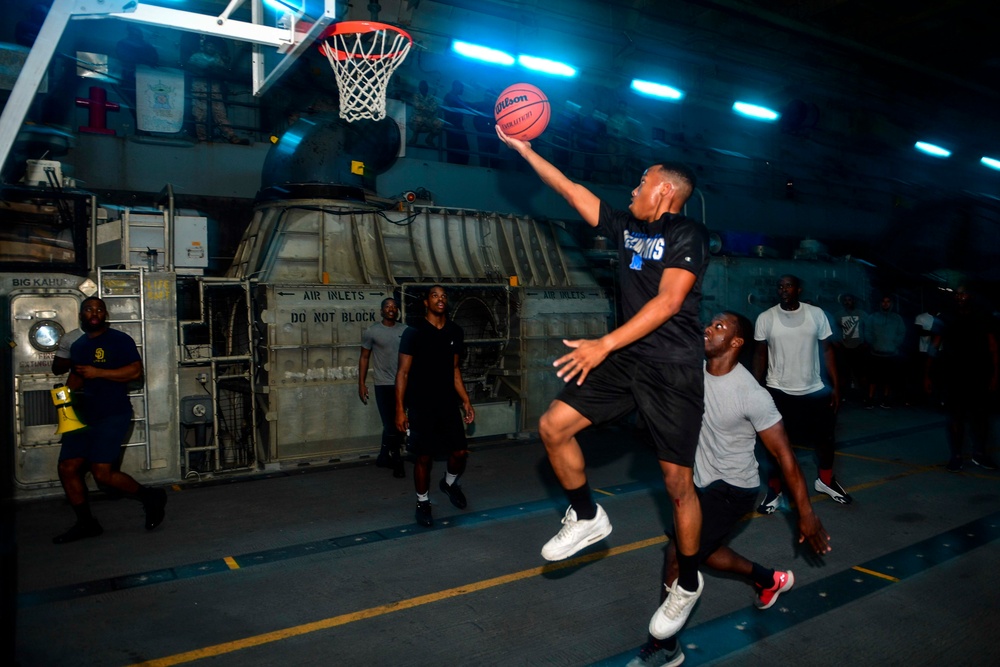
{"x":585,"y":202}
{"x":810,"y":528}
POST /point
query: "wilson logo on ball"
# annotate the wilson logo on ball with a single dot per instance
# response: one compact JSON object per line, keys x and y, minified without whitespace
{"x":522,"y":111}
{"x":507,"y":101}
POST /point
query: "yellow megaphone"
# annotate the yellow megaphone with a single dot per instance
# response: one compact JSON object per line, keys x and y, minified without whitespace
{"x":68,"y":421}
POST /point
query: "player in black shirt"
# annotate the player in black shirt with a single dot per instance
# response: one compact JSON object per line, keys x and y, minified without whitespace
{"x":652,"y":363}
{"x":429,"y":390}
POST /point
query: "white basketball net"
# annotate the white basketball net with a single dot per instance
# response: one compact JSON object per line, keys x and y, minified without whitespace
{"x":363,"y":62}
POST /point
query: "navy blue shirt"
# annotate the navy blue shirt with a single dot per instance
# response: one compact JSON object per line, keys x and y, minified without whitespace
{"x":100,"y":398}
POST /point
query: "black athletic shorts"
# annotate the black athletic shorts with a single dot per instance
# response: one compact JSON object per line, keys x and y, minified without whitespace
{"x":723,"y":506}
{"x":809,"y":419}
{"x":670,"y":399}
{"x":436,"y":431}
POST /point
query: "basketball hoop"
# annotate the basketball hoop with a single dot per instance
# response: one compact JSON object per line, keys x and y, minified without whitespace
{"x":363,"y":56}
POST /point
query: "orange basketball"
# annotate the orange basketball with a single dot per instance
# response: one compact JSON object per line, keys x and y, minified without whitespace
{"x":522,"y":111}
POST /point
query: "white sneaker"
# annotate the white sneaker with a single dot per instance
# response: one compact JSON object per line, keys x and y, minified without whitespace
{"x":575,"y":535}
{"x":835,"y":491}
{"x":673,"y":613}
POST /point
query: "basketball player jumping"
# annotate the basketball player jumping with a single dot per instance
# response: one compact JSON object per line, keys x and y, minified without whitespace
{"x":652,"y":363}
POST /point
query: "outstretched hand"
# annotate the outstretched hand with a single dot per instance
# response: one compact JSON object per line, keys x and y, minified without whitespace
{"x":511,"y":142}
{"x":811,"y":532}
{"x":585,"y":357}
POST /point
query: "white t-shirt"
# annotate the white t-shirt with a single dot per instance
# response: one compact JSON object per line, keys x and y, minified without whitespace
{"x":792,"y":347}
{"x":736,"y":408}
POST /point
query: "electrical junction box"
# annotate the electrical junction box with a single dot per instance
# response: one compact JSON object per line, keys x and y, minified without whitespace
{"x":190,"y":242}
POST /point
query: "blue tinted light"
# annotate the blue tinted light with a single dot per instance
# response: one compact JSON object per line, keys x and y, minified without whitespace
{"x":546,"y":66}
{"x":755,"y":111}
{"x":990,"y":162}
{"x":931,"y":149}
{"x":285,"y":5}
{"x":483,"y":53}
{"x":657,"y":90}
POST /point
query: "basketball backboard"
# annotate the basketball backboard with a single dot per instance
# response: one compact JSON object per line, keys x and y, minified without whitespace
{"x":280,"y":31}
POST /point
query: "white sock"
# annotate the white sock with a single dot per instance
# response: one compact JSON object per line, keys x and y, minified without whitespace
{"x":450,"y":479}
{"x":421,"y":497}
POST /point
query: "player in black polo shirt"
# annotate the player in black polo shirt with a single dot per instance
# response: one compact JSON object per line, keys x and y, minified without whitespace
{"x":652,"y":363}
{"x":429,"y":391}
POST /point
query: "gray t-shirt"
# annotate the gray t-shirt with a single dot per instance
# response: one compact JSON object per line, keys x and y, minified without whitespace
{"x":383,"y":342}
{"x":736,"y":408}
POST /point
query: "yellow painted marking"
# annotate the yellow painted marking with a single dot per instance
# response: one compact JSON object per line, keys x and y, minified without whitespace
{"x":603,"y":491}
{"x":176,"y":487}
{"x":876,"y":574}
{"x":381,"y":610}
{"x":231,"y":562}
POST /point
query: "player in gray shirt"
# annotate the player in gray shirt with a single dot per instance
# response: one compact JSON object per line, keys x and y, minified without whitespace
{"x":380,"y":350}
{"x":737,"y":410}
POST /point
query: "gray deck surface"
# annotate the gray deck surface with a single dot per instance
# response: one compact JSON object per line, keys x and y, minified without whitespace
{"x":326,"y":567}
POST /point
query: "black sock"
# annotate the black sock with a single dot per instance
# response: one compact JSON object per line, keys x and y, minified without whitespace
{"x":581,"y":501}
{"x":687,"y":568}
{"x":762,"y":576}
{"x":82,"y":512}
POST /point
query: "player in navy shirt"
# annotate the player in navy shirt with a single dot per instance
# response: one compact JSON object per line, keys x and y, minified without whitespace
{"x":104,"y":362}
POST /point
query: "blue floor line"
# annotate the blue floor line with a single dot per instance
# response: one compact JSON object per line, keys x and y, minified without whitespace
{"x":738,"y":630}
{"x":216,"y":566}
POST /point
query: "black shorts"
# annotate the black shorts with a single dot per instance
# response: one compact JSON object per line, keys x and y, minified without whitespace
{"x":670,"y":399}
{"x":100,"y":442}
{"x":723,"y":506}
{"x":436,"y":431}
{"x":809,"y":419}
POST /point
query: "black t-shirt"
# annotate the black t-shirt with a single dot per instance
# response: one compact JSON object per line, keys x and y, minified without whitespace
{"x":431,"y":380}
{"x":646,"y":250}
{"x":965,"y":351}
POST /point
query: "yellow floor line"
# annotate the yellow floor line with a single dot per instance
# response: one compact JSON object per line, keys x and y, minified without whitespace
{"x":231,"y":562}
{"x":888,"y":577}
{"x":607,"y":493}
{"x":381,"y":610}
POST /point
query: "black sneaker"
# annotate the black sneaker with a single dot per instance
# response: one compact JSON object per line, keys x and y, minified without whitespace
{"x":80,"y":530}
{"x":154,"y":504}
{"x":771,"y":502}
{"x":424,"y":517}
{"x":954,"y":464}
{"x":984,"y":461}
{"x":455,"y":494}
{"x":654,"y":655}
